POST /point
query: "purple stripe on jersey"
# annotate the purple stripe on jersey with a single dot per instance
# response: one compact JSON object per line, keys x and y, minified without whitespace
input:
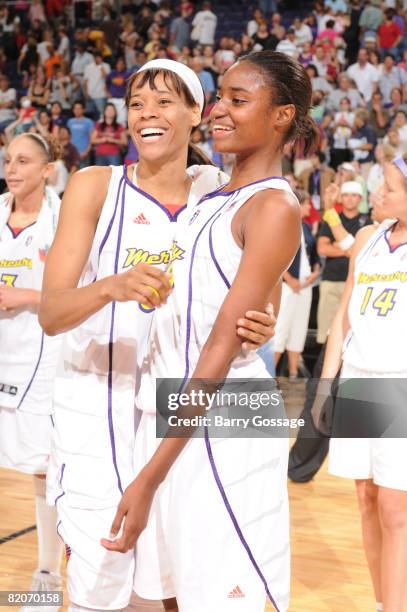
{"x":189,"y":306}
{"x":34,"y":373}
{"x":22,"y":229}
{"x":226,"y":193}
{"x":234,"y":519}
{"x":215,"y":261}
{"x":111,"y":347}
{"x":110,"y":225}
{"x":392,"y":249}
{"x":60,"y":482}
{"x":150,"y":197}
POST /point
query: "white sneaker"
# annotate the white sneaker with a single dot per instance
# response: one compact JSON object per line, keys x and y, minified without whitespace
{"x":43,"y":582}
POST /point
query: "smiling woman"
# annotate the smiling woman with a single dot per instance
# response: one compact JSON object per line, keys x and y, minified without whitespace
{"x":28,"y":217}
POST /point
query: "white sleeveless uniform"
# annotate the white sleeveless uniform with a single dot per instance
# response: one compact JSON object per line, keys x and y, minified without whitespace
{"x":217,"y":535}
{"x":375,"y":348}
{"x":98,"y":375}
{"x":27,"y":359}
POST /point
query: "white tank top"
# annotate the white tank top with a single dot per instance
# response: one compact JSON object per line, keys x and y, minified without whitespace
{"x":378,"y":307}
{"x":27,"y":356}
{"x":201,"y":282}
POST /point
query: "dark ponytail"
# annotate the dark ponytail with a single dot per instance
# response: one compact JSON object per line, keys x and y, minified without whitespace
{"x":290,"y":84}
{"x":197,"y":157}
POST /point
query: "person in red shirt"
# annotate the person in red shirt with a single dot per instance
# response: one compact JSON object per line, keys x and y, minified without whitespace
{"x":389,"y":34}
{"x":109,"y":137}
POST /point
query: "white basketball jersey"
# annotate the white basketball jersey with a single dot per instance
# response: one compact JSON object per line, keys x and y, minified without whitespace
{"x":99,"y":372}
{"x":201,"y":282}
{"x":27,"y":356}
{"x":378,"y":307}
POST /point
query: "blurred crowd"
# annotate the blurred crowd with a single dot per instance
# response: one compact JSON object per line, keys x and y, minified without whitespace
{"x":64,"y":67}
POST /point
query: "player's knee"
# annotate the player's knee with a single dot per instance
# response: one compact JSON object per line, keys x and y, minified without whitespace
{"x":367,"y":493}
{"x":393,"y":516}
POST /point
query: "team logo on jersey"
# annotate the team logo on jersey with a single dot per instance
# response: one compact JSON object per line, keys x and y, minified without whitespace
{"x":42,"y":253}
{"x":16,"y":263}
{"x":28,"y":241}
{"x":141,"y":220}
{"x":136,"y":256}
{"x":236,"y":593}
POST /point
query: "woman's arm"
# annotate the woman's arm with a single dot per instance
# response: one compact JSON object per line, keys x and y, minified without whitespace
{"x":63,"y":305}
{"x":96,"y":138}
{"x":270,"y":230}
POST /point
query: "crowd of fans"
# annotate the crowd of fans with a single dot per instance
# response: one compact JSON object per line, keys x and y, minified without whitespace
{"x":64,"y":67}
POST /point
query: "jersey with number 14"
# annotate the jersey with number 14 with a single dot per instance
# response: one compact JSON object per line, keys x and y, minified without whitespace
{"x":378,"y":306}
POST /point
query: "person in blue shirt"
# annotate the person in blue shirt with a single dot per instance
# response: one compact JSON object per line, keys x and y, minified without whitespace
{"x":81,"y":129}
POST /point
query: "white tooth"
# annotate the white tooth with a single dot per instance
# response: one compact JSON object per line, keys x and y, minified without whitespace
{"x":149,"y":131}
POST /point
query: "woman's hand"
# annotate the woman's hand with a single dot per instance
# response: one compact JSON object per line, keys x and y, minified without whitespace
{"x":144,"y":283}
{"x":257,"y":328}
{"x":13,"y":297}
{"x":132,"y":515}
{"x":331,"y":195}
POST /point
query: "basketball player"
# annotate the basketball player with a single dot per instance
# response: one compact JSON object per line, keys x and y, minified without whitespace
{"x":372,"y":316}
{"x":28,"y":217}
{"x":217,"y":535}
{"x":120,"y":252}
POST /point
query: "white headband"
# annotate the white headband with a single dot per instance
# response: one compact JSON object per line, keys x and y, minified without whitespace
{"x":187,"y":75}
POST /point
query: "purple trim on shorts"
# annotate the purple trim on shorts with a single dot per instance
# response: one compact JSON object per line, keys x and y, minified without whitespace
{"x":60,"y":483}
{"x":215,"y":261}
{"x":110,"y":225}
{"x":34,"y":373}
{"x":189,"y":306}
{"x":218,"y":191}
{"x":234,"y":519}
{"x":111,"y":347}
{"x":150,"y":197}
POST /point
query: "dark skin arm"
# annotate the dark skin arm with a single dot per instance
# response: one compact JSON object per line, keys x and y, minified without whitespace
{"x":269,"y":229}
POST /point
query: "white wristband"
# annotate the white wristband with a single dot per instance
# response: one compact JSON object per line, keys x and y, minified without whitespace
{"x":346,"y":242}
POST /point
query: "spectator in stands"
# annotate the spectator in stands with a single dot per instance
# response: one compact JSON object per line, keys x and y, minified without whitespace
{"x":396,"y":102}
{"x":8,"y":100}
{"x":389,"y":34}
{"x":276,"y":26}
{"x":319,"y":83}
{"x":43,"y":123}
{"x":54,"y":58}
{"x":336,"y":266}
{"x":94,"y":85}
{"x":57,"y":118}
{"x":379,"y":117}
{"x":390,"y":77}
{"x":365,"y":75}
{"x":393,"y":139}
{"x":29,"y":55}
{"x":342,"y":126}
{"x":383,"y":154}
{"x":337,"y":6}
{"x":64,"y":47}
{"x":70,"y":154}
{"x":400,"y":123}
{"x":36,"y":12}
{"x":363,"y":142}
{"x":81,"y":59}
{"x":180,"y":30}
{"x":306,"y":54}
{"x":287,"y":45}
{"x":329,"y":35}
{"x":263,"y":39}
{"x":296,"y":297}
{"x":116,"y":88}
{"x":109,"y":138}
{"x":60,"y":87}
{"x":24,"y":122}
{"x":371,"y":17}
{"x":254,"y":23}
{"x":345,"y":90}
{"x":42,"y":47}
{"x":303,"y":33}
{"x":38,"y":91}
{"x":204,"y":76}
{"x":316,"y":179}
{"x":81,"y":129}
{"x":204,"y":26}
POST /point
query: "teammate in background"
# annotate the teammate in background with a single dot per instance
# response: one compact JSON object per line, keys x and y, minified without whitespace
{"x":218,"y":529}
{"x":362,"y":342}
{"x":124,"y":219}
{"x":28,"y":218}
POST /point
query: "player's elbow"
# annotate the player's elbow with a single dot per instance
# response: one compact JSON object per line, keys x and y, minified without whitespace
{"x":46,"y":319}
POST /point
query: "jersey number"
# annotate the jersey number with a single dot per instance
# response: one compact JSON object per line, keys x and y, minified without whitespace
{"x":384,"y":302}
{"x":8,"y":279}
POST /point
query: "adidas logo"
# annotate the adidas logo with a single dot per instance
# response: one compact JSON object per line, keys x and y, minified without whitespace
{"x":236,"y":593}
{"x":141,"y":220}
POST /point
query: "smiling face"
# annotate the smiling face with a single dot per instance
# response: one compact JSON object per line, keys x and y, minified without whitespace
{"x":25,"y":166}
{"x":244,"y":119}
{"x":160,"y":120}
